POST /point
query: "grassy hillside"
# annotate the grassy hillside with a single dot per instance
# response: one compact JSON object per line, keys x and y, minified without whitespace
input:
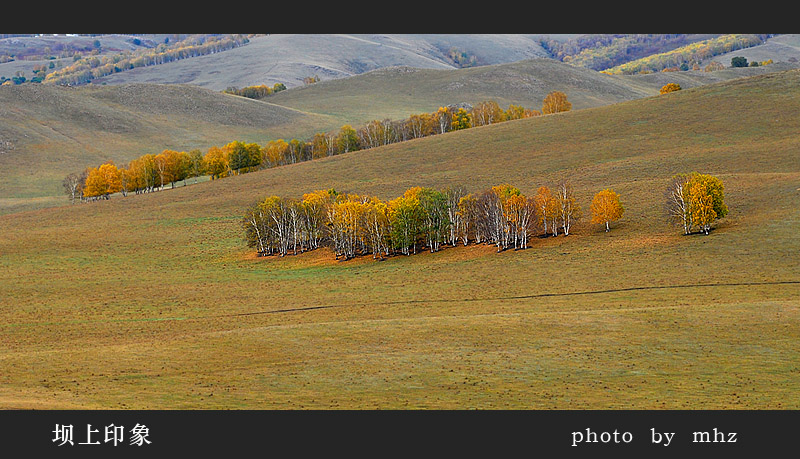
{"x":153,"y":301}
{"x":49,"y":131}
{"x":694,"y":78}
{"x":75,"y":59}
{"x":601,"y":51}
{"x":61,"y":130}
{"x":782,"y":48}
{"x":399,"y":91}
{"x":288,"y":58}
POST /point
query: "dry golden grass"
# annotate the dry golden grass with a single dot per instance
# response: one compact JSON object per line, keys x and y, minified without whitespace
{"x":153,"y":301}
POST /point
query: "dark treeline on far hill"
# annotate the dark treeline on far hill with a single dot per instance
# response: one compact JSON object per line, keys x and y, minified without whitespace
{"x":646,"y":52}
{"x":602,"y":51}
{"x":152,"y":172}
{"x":90,"y":64}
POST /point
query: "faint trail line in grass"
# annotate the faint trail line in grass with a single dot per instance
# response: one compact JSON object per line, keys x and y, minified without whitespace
{"x":398,"y":302}
{"x":513,"y":297}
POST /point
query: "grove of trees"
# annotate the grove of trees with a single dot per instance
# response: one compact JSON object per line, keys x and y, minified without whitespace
{"x":255,"y":92}
{"x":152,"y":172}
{"x":426,"y":218}
{"x":423,"y":218}
{"x":691,"y":54}
{"x":144,"y":174}
{"x":694,"y":201}
{"x":670,"y":87}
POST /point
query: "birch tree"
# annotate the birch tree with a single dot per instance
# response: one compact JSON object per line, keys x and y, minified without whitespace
{"x":404,"y":214}
{"x":375,"y":220}
{"x":444,"y":119}
{"x":568,"y":208}
{"x":454,"y":196}
{"x":702,"y":205}
{"x":435,"y":219}
{"x":606,"y":207}
{"x":520,"y":213}
{"x":196,"y":164}
{"x":347,"y":140}
{"x":546,"y":209}
{"x":70,"y":184}
{"x":468,"y":215}
{"x":555,"y":102}
{"x":706,"y":200}
{"x":677,"y":202}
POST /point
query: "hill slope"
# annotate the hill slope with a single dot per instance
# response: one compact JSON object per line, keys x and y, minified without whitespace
{"x":153,"y":301}
{"x":288,"y":58}
{"x":397,"y":92}
{"x":53,"y":131}
{"x":49,"y":131}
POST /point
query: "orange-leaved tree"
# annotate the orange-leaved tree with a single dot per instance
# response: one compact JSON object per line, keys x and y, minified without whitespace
{"x":606,"y":207}
{"x":670,"y":87}
{"x":555,"y":102}
{"x":102,"y":181}
{"x":216,"y":162}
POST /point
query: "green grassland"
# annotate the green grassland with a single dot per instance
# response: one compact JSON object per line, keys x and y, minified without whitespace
{"x":153,"y":301}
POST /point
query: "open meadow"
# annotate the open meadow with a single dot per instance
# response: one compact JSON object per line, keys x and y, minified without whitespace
{"x":154,"y":301}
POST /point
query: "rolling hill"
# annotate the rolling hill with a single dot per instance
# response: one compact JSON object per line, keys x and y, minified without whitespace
{"x":153,"y":301}
{"x":288,"y":58}
{"x":49,"y":131}
{"x":782,"y":48}
{"x":396,"y":92}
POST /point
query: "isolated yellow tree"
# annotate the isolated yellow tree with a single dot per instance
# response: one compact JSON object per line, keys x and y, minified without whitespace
{"x":555,"y":102}
{"x":606,"y":207}
{"x":706,"y":200}
{"x":702,"y":205}
{"x":713,"y":187}
{"x":670,"y":87}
